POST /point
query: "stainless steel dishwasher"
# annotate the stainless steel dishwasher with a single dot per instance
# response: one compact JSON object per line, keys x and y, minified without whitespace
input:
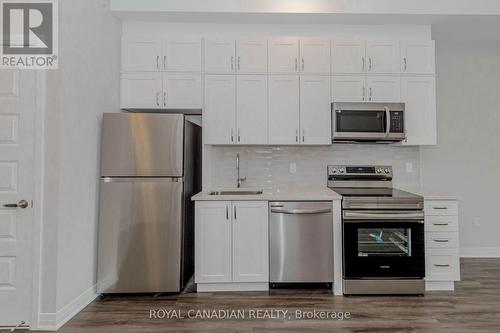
{"x":301,"y":242}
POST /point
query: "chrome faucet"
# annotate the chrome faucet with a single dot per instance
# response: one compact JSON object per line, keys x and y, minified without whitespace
{"x":238,"y":179}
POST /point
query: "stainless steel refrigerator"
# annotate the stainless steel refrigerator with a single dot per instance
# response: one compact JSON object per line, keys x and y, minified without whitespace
{"x":150,"y":168}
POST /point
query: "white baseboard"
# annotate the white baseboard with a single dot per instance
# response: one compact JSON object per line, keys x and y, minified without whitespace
{"x":480,"y":252}
{"x":54,"y":321}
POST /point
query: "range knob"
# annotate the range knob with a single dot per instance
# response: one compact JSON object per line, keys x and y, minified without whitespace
{"x":334,"y":170}
{"x":342,"y":170}
{"x":387,"y":170}
{"x":379,"y":170}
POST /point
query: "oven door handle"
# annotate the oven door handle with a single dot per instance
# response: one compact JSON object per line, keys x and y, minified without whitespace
{"x":387,"y":121}
{"x":384,"y":215}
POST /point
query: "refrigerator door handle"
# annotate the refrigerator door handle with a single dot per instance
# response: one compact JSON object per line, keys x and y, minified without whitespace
{"x":141,"y":179}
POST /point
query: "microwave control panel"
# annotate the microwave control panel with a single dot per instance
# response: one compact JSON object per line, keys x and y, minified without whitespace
{"x":397,"y":122}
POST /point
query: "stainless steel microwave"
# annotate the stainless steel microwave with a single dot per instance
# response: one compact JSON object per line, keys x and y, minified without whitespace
{"x":368,"y":122}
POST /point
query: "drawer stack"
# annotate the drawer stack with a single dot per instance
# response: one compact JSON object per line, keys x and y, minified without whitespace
{"x":441,"y":244}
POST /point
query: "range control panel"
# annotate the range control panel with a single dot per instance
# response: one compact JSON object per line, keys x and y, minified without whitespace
{"x":360,"y":171}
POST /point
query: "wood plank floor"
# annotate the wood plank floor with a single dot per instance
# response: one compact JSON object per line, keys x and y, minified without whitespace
{"x":474,"y":306}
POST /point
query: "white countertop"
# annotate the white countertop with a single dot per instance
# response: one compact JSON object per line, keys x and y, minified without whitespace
{"x":321,"y":193}
{"x":433,"y":195}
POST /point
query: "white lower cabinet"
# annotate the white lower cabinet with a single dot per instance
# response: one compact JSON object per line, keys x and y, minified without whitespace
{"x":155,"y":90}
{"x":231,"y":245}
{"x":442,"y":257}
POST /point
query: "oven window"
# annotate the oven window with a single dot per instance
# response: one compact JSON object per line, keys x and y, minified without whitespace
{"x":360,"y":121}
{"x":384,"y":242}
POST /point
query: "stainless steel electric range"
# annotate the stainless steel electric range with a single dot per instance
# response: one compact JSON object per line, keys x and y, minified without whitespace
{"x":383,"y":232}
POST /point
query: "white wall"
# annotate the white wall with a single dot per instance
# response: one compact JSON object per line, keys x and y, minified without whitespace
{"x":466,"y":161}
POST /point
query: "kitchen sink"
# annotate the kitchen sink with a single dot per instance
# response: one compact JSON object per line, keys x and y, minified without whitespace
{"x":236,"y":192}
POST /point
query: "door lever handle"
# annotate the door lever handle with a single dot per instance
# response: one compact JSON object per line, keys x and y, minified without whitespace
{"x":20,"y":204}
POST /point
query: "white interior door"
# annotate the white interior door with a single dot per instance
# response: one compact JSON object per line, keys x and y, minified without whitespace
{"x":315,"y":114}
{"x":284,"y":109}
{"x":251,"y":109}
{"x":17,"y":107}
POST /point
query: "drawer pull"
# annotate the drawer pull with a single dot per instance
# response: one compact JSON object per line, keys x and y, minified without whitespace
{"x":440,"y":208}
{"x":441,"y":240}
{"x":440,"y":223}
{"x":442,"y":265}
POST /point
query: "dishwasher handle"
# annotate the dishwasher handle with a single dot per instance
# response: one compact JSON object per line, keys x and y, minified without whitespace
{"x":300,"y":211}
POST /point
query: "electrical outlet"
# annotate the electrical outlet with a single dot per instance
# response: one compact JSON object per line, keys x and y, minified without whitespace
{"x":476,"y":223}
{"x":293,"y":167}
{"x":409,"y":167}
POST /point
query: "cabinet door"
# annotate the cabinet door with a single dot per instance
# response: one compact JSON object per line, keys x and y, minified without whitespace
{"x":419,"y":96}
{"x":348,"y":88}
{"x":182,"y":55}
{"x":283,"y":55}
{"x":219,"y":114}
{"x":220,"y":56}
{"x":315,"y":110}
{"x":382,"y":56}
{"x":251,"y":109}
{"x":213,"y":234}
{"x":141,"y":53}
{"x":315,"y":56}
{"x":383,"y":88}
{"x":348,"y":57}
{"x":284,"y":109}
{"x":182,"y":91}
{"x":250,"y":241}
{"x":251,"y":56}
{"x":418,"y":57}
{"x":141,"y":90}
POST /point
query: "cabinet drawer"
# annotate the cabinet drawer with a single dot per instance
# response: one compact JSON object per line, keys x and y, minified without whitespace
{"x":443,"y":265}
{"x":441,"y":207}
{"x":441,"y":223}
{"x":441,"y":240}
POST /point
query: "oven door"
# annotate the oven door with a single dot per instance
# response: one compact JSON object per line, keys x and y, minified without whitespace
{"x":383,"y":244}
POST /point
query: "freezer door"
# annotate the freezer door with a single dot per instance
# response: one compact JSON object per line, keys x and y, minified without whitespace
{"x":140,"y":228}
{"x":142,"y":144}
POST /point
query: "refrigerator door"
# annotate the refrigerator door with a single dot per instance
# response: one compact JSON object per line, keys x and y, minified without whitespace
{"x":142,"y":144}
{"x":140,"y":232}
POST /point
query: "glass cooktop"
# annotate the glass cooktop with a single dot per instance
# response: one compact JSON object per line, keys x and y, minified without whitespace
{"x":375,"y":192}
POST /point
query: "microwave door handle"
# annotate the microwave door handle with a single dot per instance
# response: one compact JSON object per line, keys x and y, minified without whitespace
{"x":387,"y":121}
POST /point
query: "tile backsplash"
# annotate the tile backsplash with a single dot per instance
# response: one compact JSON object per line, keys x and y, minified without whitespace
{"x":268,"y":167}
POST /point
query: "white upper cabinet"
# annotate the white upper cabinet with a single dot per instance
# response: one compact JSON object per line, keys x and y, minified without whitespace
{"x":348,"y":88}
{"x":315,"y":56}
{"x":348,"y":57}
{"x":284,"y":109}
{"x":418,"y":57}
{"x":382,"y":57}
{"x":219,"y":114}
{"x":251,"y":56}
{"x":419,"y":95}
{"x":283,"y":55}
{"x":315,"y":110}
{"x":141,"y":53}
{"x":251,"y":109}
{"x":383,"y":89}
{"x":141,"y":90}
{"x":220,"y":56}
{"x":182,"y":55}
{"x":250,"y":241}
{"x":182,"y":91}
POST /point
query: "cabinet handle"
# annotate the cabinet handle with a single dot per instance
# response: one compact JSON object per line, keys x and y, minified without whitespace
{"x":296,"y":135}
{"x":296,"y":65}
{"x":404,"y":65}
{"x":302,"y":64}
{"x":371,"y":94}
{"x":441,"y":208}
{"x":158,"y":99}
{"x":239,"y":63}
{"x":165,"y":98}
{"x":227,"y":213}
{"x":234,"y":208}
{"x":442,"y":265}
{"x":232,"y":63}
{"x":239,"y":135}
{"x":232,"y":135}
{"x":434,"y":223}
{"x":441,"y":240}
{"x":370,"y":64}
{"x":303,"y":135}
{"x":363,"y":64}
{"x":165,"y":62}
{"x":157,"y":62}
{"x":363,"y":92}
